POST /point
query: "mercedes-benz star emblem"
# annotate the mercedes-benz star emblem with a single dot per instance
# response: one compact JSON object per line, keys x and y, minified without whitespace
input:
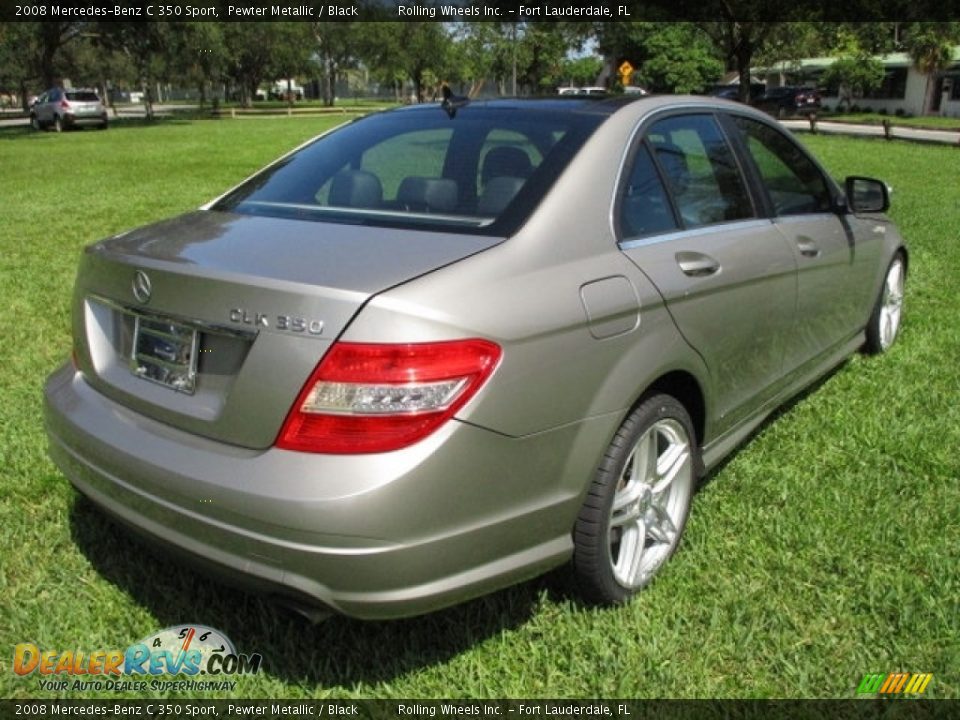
{"x":141,"y":287}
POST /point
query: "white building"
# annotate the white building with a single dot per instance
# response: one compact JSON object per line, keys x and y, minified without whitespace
{"x":903,"y":88}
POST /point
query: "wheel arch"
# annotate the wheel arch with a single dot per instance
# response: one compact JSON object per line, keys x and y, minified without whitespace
{"x":687,"y":390}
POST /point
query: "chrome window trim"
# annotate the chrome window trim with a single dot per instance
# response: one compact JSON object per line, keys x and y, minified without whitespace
{"x":734,"y":225}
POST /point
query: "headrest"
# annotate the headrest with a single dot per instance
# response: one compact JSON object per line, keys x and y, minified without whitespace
{"x":506,"y":161}
{"x":356,"y":188}
{"x":427,"y":194}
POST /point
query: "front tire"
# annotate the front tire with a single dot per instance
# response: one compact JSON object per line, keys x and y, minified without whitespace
{"x":35,"y":123}
{"x":637,"y":506}
{"x":884,"y":324}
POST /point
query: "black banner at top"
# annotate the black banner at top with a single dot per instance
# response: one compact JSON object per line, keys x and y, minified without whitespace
{"x":480,"y":10}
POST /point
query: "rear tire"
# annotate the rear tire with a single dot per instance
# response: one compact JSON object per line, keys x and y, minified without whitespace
{"x":637,"y":506}
{"x":883,"y":328}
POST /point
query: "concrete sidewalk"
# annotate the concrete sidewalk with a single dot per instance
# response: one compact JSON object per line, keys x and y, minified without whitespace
{"x":940,"y":137}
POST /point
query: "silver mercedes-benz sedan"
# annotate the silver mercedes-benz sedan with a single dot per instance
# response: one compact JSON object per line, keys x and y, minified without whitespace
{"x":445,"y":348}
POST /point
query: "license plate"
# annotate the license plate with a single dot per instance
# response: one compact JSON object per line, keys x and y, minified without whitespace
{"x":165,"y":352}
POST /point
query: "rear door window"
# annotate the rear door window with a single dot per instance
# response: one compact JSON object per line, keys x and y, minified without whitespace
{"x":700,"y":169}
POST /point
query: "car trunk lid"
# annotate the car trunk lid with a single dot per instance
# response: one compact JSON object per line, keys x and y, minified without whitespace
{"x":211,"y":322}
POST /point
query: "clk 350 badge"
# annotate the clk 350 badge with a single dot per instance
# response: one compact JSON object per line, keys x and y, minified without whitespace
{"x":280,"y":322}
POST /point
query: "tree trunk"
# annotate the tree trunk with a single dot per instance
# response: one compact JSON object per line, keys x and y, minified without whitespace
{"x":928,"y":95}
{"x":329,"y":78}
{"x":418,"y":85}
{"x":148,"y":100}
{"x":744,"y":56}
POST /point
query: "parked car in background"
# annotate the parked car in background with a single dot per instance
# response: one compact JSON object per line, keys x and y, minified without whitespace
{"x":434,"y":353}
{"x":596,"y":90}
{"x":64,"y":108}
{"x":732,"y":92}
{"x":788,"y":100}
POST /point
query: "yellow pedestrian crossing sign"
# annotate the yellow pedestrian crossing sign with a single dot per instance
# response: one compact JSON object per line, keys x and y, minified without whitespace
{"x":625,"y":70}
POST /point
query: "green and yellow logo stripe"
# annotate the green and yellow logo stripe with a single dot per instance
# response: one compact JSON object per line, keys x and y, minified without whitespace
{"x":895,"y":683}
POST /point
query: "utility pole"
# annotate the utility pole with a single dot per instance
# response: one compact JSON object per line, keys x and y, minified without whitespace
{"x":513,"y":45}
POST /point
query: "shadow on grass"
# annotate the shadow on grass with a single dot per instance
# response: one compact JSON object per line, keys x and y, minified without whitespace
{"x":770,"y":420}
{"x":336,"y":652}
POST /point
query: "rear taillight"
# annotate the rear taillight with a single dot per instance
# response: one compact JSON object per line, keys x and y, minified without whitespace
{"x":64,"y":105}
{"x":367,"y":398}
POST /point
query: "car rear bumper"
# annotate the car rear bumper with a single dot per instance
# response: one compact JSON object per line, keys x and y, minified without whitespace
{"x":82,"y":120}
{"x":459,"y":514}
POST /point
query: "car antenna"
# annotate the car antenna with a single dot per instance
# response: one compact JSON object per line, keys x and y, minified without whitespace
{"x":451,"y":103}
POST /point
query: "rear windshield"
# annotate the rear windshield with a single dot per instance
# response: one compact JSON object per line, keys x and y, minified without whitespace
{"x":82,"y":96}
{"x":481,"y":171}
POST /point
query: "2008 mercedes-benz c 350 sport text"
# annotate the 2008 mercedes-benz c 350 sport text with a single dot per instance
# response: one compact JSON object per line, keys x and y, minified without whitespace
{"x":448,"y":347}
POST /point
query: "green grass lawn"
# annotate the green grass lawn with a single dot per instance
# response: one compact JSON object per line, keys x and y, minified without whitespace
{"x":824,"y":549}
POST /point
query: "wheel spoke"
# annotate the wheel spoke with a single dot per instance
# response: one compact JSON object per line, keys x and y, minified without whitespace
{"x":630,"y":559}
{"x":645,"y":458}
{"x":626,"y":515}
{"x":669,"y":466}
{"x":661,"y":527}
{"x":628,"y":495}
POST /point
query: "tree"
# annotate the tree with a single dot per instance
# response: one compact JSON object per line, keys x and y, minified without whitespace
{"x":335,"y":43}
{"x":250,"y":48}
{"x":420,"y":50}
{"x":854,"y":72}
{"x":677,"y":58}
{"x":930,"y":46}
{"x":199,"y":55}
{"x":582,"y":70}
{"x":669,"y":56}
{"x":32,"y":54}
{"x":739,"y":42}
{"x":15,"y":71}
{"x":145,"y":45}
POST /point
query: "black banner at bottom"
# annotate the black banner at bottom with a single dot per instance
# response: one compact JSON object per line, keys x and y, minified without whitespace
{"x":864,"y":709}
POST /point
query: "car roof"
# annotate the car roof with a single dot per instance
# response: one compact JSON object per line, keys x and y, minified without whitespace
{"x":591,"y":105}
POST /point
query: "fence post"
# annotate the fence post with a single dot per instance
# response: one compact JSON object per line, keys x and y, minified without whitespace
{"x":887,"y":129}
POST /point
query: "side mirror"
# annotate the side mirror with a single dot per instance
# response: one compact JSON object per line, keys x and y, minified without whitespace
{"x":867,"y":195}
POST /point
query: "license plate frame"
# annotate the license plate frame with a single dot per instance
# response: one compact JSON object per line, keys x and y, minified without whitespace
{"x":164,"y":352}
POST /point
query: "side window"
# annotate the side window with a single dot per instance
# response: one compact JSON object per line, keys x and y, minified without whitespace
{"x":700,"y":170}
{"x":793,"y":182}
{"x":644,"y":207}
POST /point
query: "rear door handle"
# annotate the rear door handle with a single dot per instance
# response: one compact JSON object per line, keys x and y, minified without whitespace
{"x":807,"y":247}
{"x":696,"y":264}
